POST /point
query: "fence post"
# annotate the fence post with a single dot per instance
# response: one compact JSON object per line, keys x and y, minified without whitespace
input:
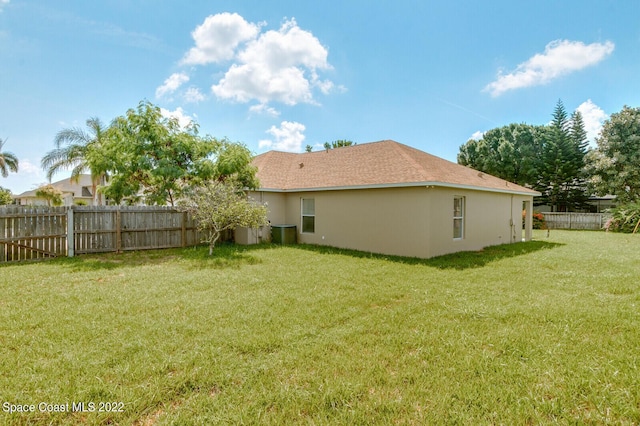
{"x":184,"y":229}
{"x":118,"y":231}
{"x":70,"y":235}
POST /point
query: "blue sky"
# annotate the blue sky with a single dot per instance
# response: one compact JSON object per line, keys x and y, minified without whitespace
{"x":281,"y":75}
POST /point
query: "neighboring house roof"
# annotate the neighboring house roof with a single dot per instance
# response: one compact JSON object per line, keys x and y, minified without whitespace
{"x":370,"y":165}
{"x":80,"y":188}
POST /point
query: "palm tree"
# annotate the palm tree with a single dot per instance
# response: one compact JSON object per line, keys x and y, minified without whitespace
{"x":78,"y":150}
{"x":8,"y":161}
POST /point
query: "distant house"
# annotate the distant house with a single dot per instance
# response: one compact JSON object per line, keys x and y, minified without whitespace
{"x":389,"y":198}
{"x":597,"y":204}
{"x":594,"y":204}
{"x":73,"y":192}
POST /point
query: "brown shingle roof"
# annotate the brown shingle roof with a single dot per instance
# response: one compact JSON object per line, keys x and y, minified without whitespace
{"x":376,"y":164}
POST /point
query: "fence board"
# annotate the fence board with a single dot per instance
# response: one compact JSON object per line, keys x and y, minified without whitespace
{"x":94,"y":230}
{"x":3,"y":236}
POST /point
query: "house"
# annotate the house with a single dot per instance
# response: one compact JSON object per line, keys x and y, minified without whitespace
{"x":594,"y":204}
{"x":389,"y":198}
{"x":597,"y":204}
{"x":73,"y":192}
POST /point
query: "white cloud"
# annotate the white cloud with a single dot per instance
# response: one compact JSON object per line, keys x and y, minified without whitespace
{"x":29,"y":168}
{"x":3,"y":3}
{"x":290,"y":46}
{"x":29,"y":171}
{"x":217,"y":38}
{"x":277,"y":66}
{"x":560,"y":57}
{"x":326,"y":86}
{"x":183,"y":119}
{"x":194,"y":95}
{"x":476,"y":136}
{"x":243,"y":83}
{"x":282,"y":65}
{"x":593,"y":117}
{"x":264,"y":109}
{"x":288,"y":137}
{"x":172,"y":84}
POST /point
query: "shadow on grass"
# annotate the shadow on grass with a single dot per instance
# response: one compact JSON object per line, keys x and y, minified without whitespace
{"x":460,"y":260}
{"x":228,"y":255}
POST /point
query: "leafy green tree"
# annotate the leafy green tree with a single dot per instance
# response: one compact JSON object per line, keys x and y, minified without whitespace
{"x":232,"y":160}
{"x":154,"y":157}
{"x":341,"y":142}
{"x":331,"y":145}
{"x":338,"y":144}
{"x":549,"y":158}
{"x":614,"y":166}
{"x":8,"y":161}
{"x":82,"y":152}
{"x":5,"y":197}
{"x":50,"y":193}
{"x":510,"y":152}
{"x":218,"y":206}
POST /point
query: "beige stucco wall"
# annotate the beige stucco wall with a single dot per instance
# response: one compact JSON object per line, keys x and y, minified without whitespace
{"x":389,"y":221}
{"x":489,"y":219}
{"x":414,"y":221}
{"x":276,"y":202}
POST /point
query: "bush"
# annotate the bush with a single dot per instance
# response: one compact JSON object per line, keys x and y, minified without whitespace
{"x":538,"y":220}
{"x":624,"y":218}
{"x":5,"y":196}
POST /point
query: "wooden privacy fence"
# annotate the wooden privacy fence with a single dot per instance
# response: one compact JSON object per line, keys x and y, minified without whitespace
{"x":108,"y":229}
{"x":28,"y":233}
{"x":571,"y":220}
{"x":32,"y":232}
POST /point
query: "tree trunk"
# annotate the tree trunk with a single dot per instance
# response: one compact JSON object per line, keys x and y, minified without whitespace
{"x":212,"y":242}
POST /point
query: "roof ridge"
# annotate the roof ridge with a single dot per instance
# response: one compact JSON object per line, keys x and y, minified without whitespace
{"x":401,"y":149}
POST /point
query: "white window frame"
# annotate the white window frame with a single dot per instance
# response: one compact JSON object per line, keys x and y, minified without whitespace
{"x":303,"y":215}
{"x":458,"y":218}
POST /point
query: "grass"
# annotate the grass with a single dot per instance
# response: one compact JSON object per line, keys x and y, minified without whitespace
{"x":540,"y":332}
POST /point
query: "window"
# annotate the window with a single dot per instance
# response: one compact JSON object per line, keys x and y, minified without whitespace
{"x":458,"y":218}
{"x":308,"y":215}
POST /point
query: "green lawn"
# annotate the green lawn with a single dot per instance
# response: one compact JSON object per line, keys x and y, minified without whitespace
{"x":539,"y":332}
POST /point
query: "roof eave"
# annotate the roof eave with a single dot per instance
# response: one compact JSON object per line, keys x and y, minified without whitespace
{"x":405,"y":185}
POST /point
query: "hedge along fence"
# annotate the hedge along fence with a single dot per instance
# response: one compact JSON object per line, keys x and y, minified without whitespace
{"x":38,"y":232}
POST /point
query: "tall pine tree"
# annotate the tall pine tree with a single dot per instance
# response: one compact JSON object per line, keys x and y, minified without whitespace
{"x":561,"y":179}
{"x":578,"y":135}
